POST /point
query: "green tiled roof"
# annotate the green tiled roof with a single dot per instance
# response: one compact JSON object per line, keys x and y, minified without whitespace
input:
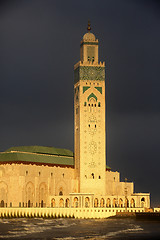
{"x":20,"y":157}
{"x":38,"y":155}
{"x":43,"y":150}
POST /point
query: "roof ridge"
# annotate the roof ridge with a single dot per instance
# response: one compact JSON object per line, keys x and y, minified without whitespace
{"x":38,"y":153}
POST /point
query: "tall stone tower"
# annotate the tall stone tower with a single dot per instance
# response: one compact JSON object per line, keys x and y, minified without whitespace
{"x":89,"y":117}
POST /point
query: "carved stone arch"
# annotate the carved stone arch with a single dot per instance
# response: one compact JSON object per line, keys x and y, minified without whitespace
{"x":96,"y":202}
{"x":102,"y":202}
{"x":67,"y":202}
{"x":75,"y":202}
{"x":120,"y":202}
{"x":87,"y":201}
{"x":61,"y":203}
{"x":142,"y":202}
{"x":126,"y":202}
{"x":53,"y":202}
{"x":92,"y":97}
{"x":108,"y":204}
{"x":43,"y":194}
{"x":30,"y":194}
{"x":114,"y":202}
{"x":132,"y":202}
{"x":61,"y":189}
{"x":3,"y":194}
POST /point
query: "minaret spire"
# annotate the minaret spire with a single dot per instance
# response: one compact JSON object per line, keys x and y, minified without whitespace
{"x":89,"y":26}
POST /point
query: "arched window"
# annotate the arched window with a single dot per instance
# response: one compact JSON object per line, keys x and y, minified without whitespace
{"x":75,"y":202}
{"x":2,"y":203}
{"x":102,"y":202}
{"x":132,"y":202}
{"x":60,"y":193}
{"x":126,"y":202}
{"x":142,"y":202}
{"x":61,"y":202}
{"x":53,"y":202}
{"x":87,"y":202}
{"x":114,"y":202}
{"x":108,"y":202}
{"x":67,"y":202}
{"x":120,"y":202}
{"x":96,"y":202}
{"x":92,"y":175}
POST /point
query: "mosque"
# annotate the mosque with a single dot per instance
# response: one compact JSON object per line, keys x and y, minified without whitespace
{"x":47,"y":177}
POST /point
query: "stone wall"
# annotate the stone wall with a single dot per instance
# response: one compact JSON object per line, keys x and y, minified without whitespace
{"x":64,"y":212}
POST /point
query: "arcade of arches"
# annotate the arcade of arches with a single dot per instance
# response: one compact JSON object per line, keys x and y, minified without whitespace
{"x":82,"y":201}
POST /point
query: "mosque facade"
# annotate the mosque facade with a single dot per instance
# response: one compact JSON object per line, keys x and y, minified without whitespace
{"x":47,"y":177}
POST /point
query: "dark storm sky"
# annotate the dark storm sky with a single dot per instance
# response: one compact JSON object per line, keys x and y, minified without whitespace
{"x":39,"y":44}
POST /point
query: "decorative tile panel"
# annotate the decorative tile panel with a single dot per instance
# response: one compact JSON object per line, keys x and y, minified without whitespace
{"x":85,"y":89}
{"x":99,"y":89}
{"x":92,"y":95}
{"x":89,"y":73}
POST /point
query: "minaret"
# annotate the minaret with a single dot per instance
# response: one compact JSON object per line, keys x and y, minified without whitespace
{"x":89,"y":117}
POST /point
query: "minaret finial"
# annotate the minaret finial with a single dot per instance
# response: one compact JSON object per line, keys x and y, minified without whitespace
{"x":89,"y":26}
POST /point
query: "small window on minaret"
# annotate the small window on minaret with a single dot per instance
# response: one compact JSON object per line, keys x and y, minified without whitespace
{"x":99,"y":177}
{"x":95,"y":125}
{"x":99,"y":104}
{"x":89,"y":125}
{"x":85,"y":104}
{"x":92,"y":59}
{"x":92,"y":175}
{"x":89,"y":59}
{"x":89,"y":104}
{"x":85,"y":176}
{"x":95,"y":105}
{"x":92,"y":104}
